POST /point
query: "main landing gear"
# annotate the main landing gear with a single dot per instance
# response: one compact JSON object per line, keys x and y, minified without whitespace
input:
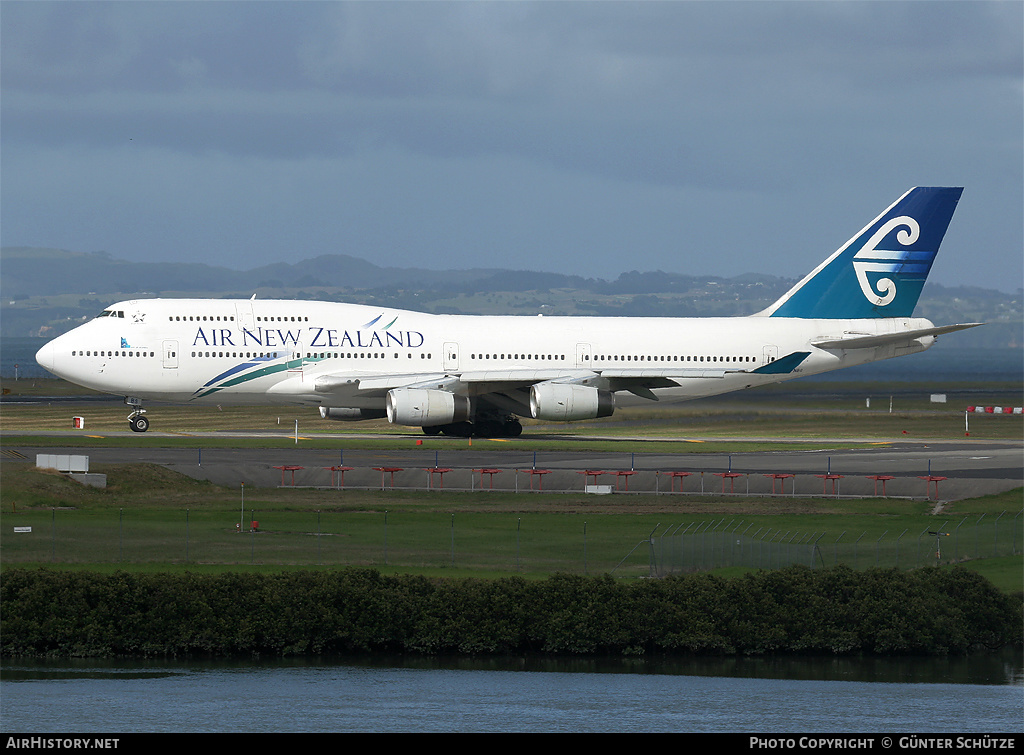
{"x":137,"y":421}
{"x":481,"y":427}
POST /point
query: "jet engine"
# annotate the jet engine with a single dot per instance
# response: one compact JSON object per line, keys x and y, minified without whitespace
{"x":424,"y":407}
{"x":350,"y":413}
{"x":564,"y":401}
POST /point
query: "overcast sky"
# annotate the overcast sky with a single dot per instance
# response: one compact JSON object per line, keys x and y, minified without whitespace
{"x":579,"y":137}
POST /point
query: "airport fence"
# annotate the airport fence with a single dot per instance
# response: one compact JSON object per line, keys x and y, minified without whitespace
{"x":724,"y":482}
{"x":534,"y":543}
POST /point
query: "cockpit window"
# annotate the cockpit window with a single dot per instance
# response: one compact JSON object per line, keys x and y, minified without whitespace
{"x":110,"y":313}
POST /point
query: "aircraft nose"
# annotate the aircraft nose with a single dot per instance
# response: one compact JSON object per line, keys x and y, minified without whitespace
{"x":45,"y":356}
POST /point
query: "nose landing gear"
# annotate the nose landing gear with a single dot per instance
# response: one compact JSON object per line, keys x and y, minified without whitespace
{"x":137,"y":421}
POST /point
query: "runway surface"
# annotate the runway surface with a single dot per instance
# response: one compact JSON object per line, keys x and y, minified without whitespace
{"x":947,"y":470}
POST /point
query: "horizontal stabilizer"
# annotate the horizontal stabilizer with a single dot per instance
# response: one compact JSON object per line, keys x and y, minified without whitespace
{"x":782,"y":366}
{"x":865,"y":341}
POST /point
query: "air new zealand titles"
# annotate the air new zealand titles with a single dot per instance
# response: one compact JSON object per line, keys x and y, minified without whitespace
{"x":478,"y":375}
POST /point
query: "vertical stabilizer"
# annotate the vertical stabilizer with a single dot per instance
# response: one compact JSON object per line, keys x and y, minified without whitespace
{"x":879,"y":272}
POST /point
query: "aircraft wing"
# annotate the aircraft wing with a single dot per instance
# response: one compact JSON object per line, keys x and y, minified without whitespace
{"x":375,"y":384}
{"x":639,"y":380}
{"x":480,"y":381}
{"x":868,"y":341}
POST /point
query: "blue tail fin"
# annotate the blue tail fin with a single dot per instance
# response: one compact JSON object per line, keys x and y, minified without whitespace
{"x":879,"y":272}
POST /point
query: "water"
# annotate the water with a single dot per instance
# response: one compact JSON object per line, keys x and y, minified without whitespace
{"x":938,"y":365}
{"x":21,"y":352}
{"x":828,"y":695}
{"x":509,"y":696}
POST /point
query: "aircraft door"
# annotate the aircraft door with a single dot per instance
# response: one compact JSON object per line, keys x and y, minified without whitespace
{"x":583,"y":355}
{"x":451,"y":356}
{"x":771,"y":353}
{"x":170,"y":352}
{"x":243,"y":315}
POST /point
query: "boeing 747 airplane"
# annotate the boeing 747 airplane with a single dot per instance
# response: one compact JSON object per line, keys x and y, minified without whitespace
{"x":468,"y":375}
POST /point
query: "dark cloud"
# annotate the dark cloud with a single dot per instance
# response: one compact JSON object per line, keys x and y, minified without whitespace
{"x":608,"y":129}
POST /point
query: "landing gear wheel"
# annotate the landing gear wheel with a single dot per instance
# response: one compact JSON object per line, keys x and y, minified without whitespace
{"x":486,"y":428}
{"x":497,"y":428}
{"x":432,"y":430}
{"x":138,"y":423}
{"x":458,"y":430}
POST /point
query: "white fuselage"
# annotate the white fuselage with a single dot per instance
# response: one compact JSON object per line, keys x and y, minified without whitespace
{"x":475,"y":375}
{"x":184,"y":350}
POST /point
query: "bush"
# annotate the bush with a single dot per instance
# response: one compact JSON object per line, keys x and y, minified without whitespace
{"x":795,"y":610}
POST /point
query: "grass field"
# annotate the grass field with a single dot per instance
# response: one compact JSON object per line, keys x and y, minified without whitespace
{"x":149,"y":518}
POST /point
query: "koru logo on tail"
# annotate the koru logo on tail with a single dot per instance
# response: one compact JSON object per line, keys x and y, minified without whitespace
{"x":872,"y":260}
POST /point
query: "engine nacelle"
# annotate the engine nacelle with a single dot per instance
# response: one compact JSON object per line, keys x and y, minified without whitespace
{"x":350,"y":413}
{"x":564,"y":401}
{"x":424,"y":407}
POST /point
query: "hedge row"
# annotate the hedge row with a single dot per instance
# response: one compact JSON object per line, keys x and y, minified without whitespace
{"x":838,"y":611}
